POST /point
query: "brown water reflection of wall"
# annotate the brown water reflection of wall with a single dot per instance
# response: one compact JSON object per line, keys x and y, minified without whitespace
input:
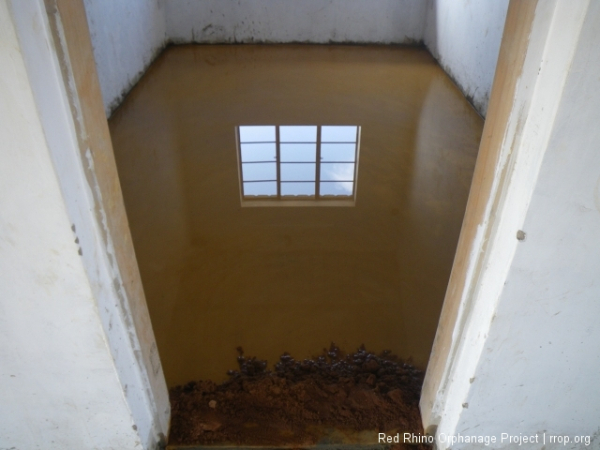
{"x":218,"y":275}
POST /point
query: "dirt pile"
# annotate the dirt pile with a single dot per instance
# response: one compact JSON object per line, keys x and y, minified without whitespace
{"x":298,"y":401}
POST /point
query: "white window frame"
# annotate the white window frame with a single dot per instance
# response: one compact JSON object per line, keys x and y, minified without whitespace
{"x":284,"y":200}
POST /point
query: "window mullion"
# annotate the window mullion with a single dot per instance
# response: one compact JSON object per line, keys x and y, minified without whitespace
{"x":278,"y":158}
{"x":318,"y":165}
{"x":356,"y":141}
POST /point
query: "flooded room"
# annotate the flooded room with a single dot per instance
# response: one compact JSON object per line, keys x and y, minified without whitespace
{"x":295,"y":178}
{"x":317,"y":224}
{"x":282,"y":198}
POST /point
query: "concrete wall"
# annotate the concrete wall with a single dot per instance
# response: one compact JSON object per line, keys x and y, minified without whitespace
{"x":539,"y":365}
{"x":126,"y":37}
{"x":59,"y":385}
{"x":465,"y":39}
{"x":520,"y":358}
{"x":77,"y":344}
{"x":463,"y":36}
{"x":314,"y":21}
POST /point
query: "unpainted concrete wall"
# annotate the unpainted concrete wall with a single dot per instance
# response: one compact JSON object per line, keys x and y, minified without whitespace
{"x":465,"y":39}
{"x":126,"y":36}
{"x":463,"y":36}
{"x":310,"y":21}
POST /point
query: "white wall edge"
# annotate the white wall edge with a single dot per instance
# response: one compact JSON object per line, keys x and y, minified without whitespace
{"x":86,"y":212}
{"x":552,"y":45}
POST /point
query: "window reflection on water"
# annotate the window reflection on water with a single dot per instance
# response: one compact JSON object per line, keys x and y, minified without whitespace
{"x":298,"y":164}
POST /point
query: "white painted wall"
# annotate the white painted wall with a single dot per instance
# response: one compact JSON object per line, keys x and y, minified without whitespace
{"x":59,"y":387}
{"x":464,"y":36}
{"x":126,"y":37}
{"x":279,"y":21}
{"x":540,"y":365}
{"x":89,"y":372}
{"x":526,"y":362}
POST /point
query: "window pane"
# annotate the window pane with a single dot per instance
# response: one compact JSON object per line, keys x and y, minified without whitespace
{"x":298,"y":189}
{"x":298,"y":134}
{"x":338,"y":152}
{"x":338,"y":134}
{"x":298,"y":172}
{"x":336,"y":188}
{"x":337,"y":172}
{"x":259,"y":171}
{"x":298,"y":152}
{"x":258,"y":152}
{"x":260,"y":188}
{"x":257,"y":133}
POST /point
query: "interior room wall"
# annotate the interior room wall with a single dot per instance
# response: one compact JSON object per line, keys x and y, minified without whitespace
{"x":126,"y":37}
{"x":465,"y":39}
{"x":463,"y":36}
{"x":308,"y":21}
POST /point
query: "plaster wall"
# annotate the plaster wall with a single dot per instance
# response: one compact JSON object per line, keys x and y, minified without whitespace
{"x":537,"y":372}
{"x":60,"y":388}
{"x":509,"y":104}
{"x":57,"y":54}
{"x":310,"y":21}
{"x":463,"y":36}
{"x":465,"y":39}
{"x":519,"y":361}
{"x":126,"y":37}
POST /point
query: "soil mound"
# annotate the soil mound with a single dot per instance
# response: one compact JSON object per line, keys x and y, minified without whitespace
{"x":298,"y":402}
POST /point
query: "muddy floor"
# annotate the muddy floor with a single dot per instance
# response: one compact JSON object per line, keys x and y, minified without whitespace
{"x":298,"y":402}
{"x":372,"y":271}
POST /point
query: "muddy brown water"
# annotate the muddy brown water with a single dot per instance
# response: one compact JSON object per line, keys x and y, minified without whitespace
{"x":218,"y":274}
